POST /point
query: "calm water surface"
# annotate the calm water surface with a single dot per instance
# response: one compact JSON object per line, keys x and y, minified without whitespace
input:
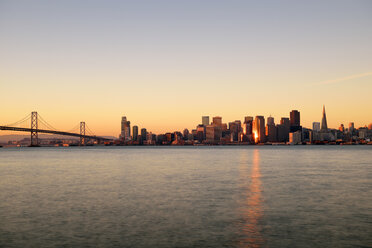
{"x":186,"y":197}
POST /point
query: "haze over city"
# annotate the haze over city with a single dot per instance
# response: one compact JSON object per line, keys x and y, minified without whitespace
{"x":164,"y":64}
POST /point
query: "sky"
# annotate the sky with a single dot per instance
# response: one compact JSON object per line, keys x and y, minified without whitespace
{"x":164,"y":64}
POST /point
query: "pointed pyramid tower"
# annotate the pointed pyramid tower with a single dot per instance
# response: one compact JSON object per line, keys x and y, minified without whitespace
{"x":324,"y":121}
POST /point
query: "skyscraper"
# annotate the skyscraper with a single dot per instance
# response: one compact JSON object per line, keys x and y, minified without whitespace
{"x":324,"y":121}
{"x":271,"y":133}
{"x":270,"y":120}
{"x":284,"y":121}
{"x":143,"y":134}
{"x":213,"y":133}
{"x":135,"y":132}
{"x":125,"y":129}
{"x":186,"y":133}
{"x":248,"y":119}
{"x":217,"y":120}
{"x":200,"y":132}
{"x":341,"y":128}
{"x":247,"y":128}
{"x":234,"y":128}
{"x":316,"y":126}
{"x":351,"y":127}
{"x":295,"y":118}
{"x":282,"y":133}
{"x":205,"y":120}
{"x":295,"y":121}
{"x":259,"y":129}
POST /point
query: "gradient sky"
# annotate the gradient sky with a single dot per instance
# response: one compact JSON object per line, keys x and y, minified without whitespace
{"x":164,"y":64}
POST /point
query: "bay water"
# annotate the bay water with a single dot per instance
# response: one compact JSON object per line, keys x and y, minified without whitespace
{"x":221,"y":196}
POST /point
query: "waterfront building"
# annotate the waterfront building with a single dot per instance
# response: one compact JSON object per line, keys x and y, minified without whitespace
{"x":364,"y":133}
{"x":324,"y":127}
{"x":259,"y":129}
{"x":125,"y":129}
{"x":281,"y":133}
{"x":295,"y":138}
{"x":224,"y":127}
{"x":247,"y":127}
{"x":351,"y":127}
{"x":205,"y":120}
{"x":186,"y":134}
{"x":295,"y":124}
{"x":200,"y":133}
{"x":239,"y":125}
{"x":271,"y":132}
{"x":248,"y":119}
{"x":213,"y":133}
{"x":178,"y":136}
{"x":217,"y":121}
{"x":234,"y":130}
{"x":341,"y":128}
{"x":143,"y":134}
{"x":316,"y":126}
{"x":169,"y":137}
{"x":194,"y":133}
{"x":306,"y":135}
{"x":160,"y":139}
{"x":270,"y":120}
{"x":295,"y":118}
{"x":287,"y":125}
{"x":135,"y":133}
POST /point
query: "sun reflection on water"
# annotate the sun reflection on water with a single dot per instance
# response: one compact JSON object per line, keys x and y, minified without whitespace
{"x":252,"y":210}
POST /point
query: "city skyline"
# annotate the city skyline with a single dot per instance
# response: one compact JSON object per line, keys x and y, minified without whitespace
{"x":253,"y":130}
{"x":164,"y":64}
{"x":125,"y":129}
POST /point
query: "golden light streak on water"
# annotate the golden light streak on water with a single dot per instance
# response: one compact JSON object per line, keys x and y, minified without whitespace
{"x":252,"y":210}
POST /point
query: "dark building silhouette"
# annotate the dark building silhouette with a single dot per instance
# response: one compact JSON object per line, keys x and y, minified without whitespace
{"x":286,"y":128}
{"x":282,"y":133}
{"x":271,"y":132}
{"x":295,"y":118}
{"x":135,"y":133}
{"x":143,"y":134}
{"x":324,"y":121}
{"x":295,"y":121}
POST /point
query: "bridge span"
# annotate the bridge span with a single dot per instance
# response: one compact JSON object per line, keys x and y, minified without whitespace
{"x":34,"y":130}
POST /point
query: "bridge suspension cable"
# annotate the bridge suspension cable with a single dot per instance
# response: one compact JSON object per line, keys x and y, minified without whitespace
{"x":45,"y":123}
{"x":23,"y":120}
{"x":74,"y":129}
{"x":90,"y":132}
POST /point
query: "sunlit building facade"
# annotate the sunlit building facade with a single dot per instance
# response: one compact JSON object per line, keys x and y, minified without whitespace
{"x":205,"y":120}
{"x":125,"y":129}
{"x":259,"y":129}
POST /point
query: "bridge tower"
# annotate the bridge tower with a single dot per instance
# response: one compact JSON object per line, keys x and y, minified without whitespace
{"x":34,"y":129}
{"x":82,"y":133}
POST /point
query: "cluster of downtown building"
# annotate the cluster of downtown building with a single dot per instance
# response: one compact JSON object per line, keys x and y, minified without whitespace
{"x":253,"y":130}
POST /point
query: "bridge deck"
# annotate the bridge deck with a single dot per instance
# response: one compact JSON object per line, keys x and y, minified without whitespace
{"x":21,"y":129}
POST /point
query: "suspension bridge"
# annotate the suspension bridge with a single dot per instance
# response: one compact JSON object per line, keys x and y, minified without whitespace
{"x":36,"y":124}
